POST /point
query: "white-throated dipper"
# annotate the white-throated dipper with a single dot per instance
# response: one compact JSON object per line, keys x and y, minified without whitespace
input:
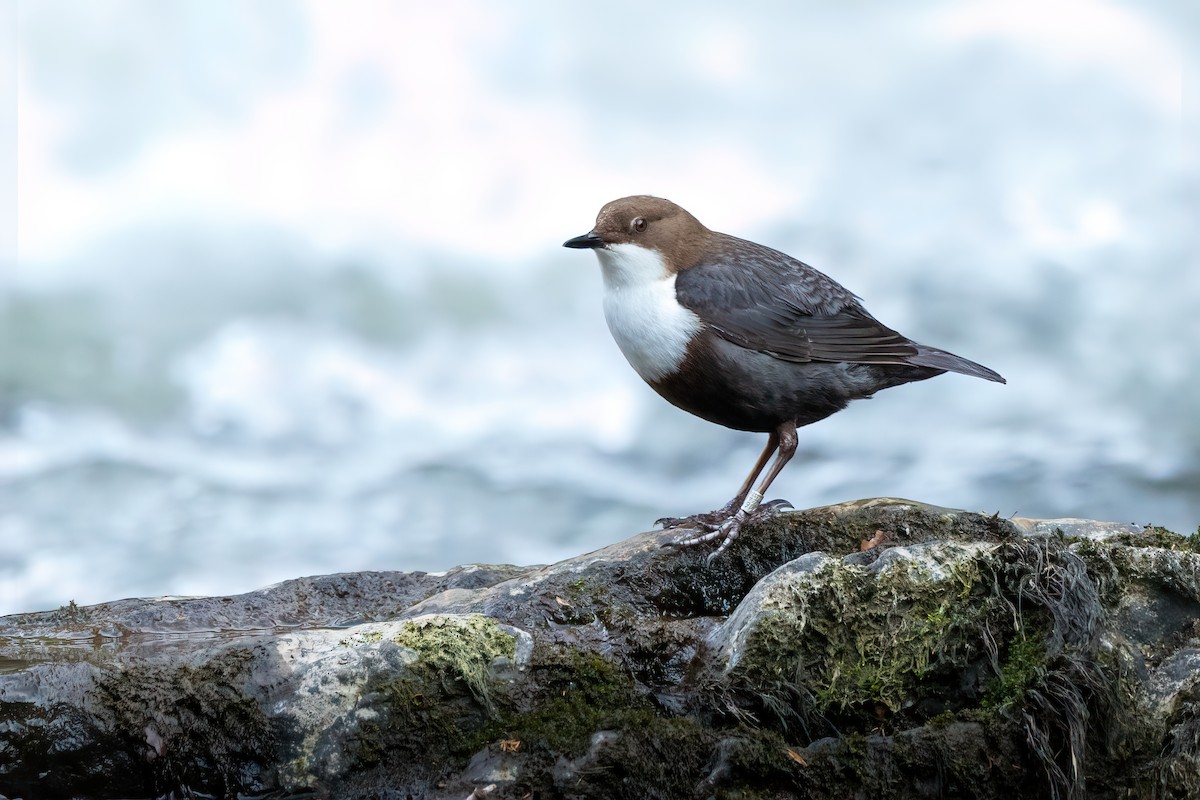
{"x":743,"y":336}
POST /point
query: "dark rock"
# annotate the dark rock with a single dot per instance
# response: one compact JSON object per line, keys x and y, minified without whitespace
{"x":873,"y":649}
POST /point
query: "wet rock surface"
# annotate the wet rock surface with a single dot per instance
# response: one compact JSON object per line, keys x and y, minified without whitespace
{"x":870,"y":649}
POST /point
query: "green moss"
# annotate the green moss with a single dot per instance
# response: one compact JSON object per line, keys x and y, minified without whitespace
{"x":1192,"y":542}
{"x":577,"y":693}
{"x":438,"y":712}
{"x":580,"y":692}
{"x":760,"y":752}
{"x":942,"y":720}
{"x":1023,"y":667}
{"x":435,"y":721}
{"x":578,"y":589}
{"x":657,"y":755}
{"x":648,"y":756}
{"x":689,"y":586}
{"x":848,"y":641}
{"x":1158,"y":536}
{"x":459,"y":649}
{"x":1149,"y":536}
{"x":449,"y":706}
{"x":842,"y":530}
{"x":1117,"y":569}
{"x":584,"y":601}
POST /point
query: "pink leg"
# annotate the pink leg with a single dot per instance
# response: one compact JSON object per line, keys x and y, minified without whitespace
{"x":714,"y":519}
{"x":728,"y":529}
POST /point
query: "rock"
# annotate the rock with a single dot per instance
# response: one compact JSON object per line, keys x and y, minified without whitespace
{"x":882,"y":648}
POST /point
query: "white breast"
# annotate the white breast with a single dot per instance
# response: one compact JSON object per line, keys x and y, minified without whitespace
{"x":645,"y":318}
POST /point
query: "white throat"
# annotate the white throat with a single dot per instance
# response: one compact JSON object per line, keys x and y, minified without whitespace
{"x":650,"y":326}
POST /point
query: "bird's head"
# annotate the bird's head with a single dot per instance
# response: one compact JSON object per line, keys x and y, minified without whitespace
{"x":641,"y":226}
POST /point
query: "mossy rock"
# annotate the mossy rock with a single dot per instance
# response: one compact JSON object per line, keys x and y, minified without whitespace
{"x":879,"y":648}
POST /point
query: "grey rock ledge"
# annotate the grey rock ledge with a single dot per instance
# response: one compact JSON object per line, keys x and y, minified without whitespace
{"x":875,"y":648}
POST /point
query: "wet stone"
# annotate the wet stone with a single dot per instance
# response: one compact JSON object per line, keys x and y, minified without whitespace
{"x":880,"y":647}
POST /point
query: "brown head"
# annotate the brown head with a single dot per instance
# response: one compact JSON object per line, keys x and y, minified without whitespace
{"x":649,"y":222}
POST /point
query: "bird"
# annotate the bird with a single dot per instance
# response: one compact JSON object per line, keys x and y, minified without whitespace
{"x":744,"y":336}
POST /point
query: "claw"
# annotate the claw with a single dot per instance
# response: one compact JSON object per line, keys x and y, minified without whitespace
{"x":727,"y":528}
{"x":709,"y":521}
{"x":668,"y":523}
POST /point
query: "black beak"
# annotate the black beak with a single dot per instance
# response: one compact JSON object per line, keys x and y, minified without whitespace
{"x":589,"y":241}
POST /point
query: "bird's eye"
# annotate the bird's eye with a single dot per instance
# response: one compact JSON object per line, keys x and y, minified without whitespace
{"x":639,"y":225}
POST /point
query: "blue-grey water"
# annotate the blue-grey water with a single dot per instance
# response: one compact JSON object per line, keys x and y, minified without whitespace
{"x":288,"y":296}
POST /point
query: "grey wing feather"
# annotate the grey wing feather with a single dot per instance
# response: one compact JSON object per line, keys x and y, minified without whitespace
{"x":786,"y":308}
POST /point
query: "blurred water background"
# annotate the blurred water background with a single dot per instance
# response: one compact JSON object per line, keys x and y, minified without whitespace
{"x":287,"y":294}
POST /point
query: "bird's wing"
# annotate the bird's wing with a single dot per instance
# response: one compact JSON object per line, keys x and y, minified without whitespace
{"x":767,"y":301}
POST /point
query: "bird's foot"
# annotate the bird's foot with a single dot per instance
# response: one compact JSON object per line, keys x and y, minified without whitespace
{"x":708,"y":521}
{"x":723,"y":524}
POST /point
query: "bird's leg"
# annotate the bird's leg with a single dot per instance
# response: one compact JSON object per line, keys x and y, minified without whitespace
{"x":713,"y":520}
{"x":751,"y":508}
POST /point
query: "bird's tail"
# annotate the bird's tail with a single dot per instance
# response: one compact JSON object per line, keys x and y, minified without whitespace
{"x":939,"y":359}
